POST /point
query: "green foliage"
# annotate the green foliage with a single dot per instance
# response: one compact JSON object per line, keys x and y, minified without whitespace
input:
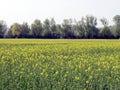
{"x":3,"y":28}
{"x":86,"y":27}
{"x":117,"y":20}
{"x":16,"y":30}
{"x":104,"y":22}
{"x":37,"y":29}
{"x":47,"y":30}
{"x":117,"y":24}
{"x":91,"y":30}
{"x":25,"y":30}
{"x":106,"y":33}
{"x":68,"y":32}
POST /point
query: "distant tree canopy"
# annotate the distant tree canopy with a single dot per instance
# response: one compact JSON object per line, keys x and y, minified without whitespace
{"x":3,"y":29}
{"x":71,"y":29}
{"x":117,"y":25}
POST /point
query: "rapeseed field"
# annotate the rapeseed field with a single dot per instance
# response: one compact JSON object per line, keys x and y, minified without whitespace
{"x":42,"y":64}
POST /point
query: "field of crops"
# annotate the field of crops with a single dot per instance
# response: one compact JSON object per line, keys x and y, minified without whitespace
{"x":59,"y":64}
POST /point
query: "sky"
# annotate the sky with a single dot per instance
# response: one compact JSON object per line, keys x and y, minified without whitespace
{"x":21,"y":11}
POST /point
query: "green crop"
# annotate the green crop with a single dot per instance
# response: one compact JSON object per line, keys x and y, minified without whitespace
{"x":59,"y":64}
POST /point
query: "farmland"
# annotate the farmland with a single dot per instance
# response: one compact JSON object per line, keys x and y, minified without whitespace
{"x":39,"y":64}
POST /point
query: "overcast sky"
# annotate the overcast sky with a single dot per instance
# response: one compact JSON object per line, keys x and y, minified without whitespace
{"x":28,"y":10}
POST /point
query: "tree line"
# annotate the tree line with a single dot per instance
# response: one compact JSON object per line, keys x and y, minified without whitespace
{"x":86,"y":28}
